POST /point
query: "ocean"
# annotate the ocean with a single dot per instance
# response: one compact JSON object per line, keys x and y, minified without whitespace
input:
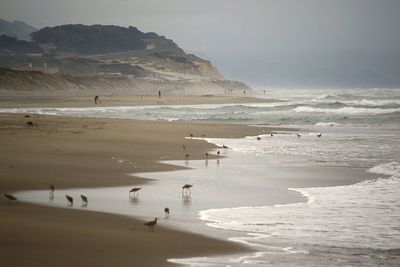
{"x":355,"y":223}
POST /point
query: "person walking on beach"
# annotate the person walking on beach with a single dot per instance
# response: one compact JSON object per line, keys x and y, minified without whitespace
{"x":159,"y":93}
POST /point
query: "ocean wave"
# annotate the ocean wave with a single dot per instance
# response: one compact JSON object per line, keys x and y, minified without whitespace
{"x":392,"y":168}
{"x":328,"y":124}
{"x":345,"y":110}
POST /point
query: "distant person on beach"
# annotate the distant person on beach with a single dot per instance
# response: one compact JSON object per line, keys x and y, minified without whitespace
{"x":96,"y":99}
{"x":159,"y":93}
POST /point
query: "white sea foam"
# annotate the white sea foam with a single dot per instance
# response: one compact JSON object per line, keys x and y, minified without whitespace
{"x":346,"y":110}
{"x":364,"y":215}
{"x":392,"y":168}
{"x":328,"y":124}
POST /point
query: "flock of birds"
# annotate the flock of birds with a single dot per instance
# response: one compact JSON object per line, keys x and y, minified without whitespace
{"x":134,"y":192}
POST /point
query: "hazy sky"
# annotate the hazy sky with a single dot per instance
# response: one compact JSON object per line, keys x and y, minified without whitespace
{"x":264,"y":42}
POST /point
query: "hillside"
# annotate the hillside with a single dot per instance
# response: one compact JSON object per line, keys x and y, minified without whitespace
{"x":37,"y":83}
{"x":105,"y":57}
{"x":17,"y":29}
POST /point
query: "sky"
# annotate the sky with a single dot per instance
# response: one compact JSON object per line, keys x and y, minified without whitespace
{"x":266,"y":43}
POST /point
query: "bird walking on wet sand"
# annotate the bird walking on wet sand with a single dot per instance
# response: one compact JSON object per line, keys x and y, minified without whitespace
{"x":319,"y":135}
{"x":52,"y":188}
{"x":191,"y":135}
{"x":135,"y":191}
{"x":218,"y":152}
{"x":70,"y":200}
{"x":166,"y":210}
{"x":186,"y":188}
{"x":272,"y":135}
{"x":84,"y":200}
{"x":206,"y":154}
{"x":298,"y":135}
{"x":151,"y":224}
{"x":11,"y":198}
{"x":258,"y":138}
{"x":187,"y":156}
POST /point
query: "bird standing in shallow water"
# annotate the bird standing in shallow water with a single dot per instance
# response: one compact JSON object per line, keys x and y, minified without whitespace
{"x":186,"y":188}
{"x":151,"y":224}
{"x":11,"y":198}
{"x":135,"y":191}
{"x":70,"y":200}
{"x":166,"y":210}
{"x":84,"y":200}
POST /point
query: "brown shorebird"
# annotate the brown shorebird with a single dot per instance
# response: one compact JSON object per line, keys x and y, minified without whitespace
{"x":207,"y":154}
{"x":166,"y":210}
{"x":319,"y":135}
{"x":70,"y":200}
{"x":84,"y":200}
{"x":187,"y":155}
{"x":186,"y":188}
{"x":272,"y":134}
{"x":258,"y":138}
{"x":191,"y":135}
{"x":11,"y":198}
{"x":52,"y":188}
{"x":135,"y":191}
{"x":151,"y":224}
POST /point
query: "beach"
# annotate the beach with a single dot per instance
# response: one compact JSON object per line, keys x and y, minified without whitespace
{"x":266,"y":194}
{"x":77,"y":152}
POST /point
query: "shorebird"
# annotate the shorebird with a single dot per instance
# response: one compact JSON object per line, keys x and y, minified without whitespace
{"x":135,"y":191}
{"x":52,"y":188}
{"x":11,"y":198}
{"x":166,"y":210}
{"x":187,"y":188}
{"x":319,"y":135}
{"x":272,"y":134}
{"x":187,"y":155}
{"x":151,"y":224}
{"x":70,"y":200}
{"x":29,"y":123}
{"x":218,"y":152}
{"x":258,"y":138}
{"x":207,"y":154}
{"x":298,"y":135}
{"x":191,"y":135}
{"x":84,"y":200}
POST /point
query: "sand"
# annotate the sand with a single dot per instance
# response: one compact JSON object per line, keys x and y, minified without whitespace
{"x":79,"y":152}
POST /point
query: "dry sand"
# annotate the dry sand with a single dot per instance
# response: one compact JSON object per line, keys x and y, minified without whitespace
{"x":78,"y":152}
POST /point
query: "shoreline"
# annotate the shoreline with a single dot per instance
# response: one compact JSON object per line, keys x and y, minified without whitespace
{"x":34,"y":157}
{"x":92,"y":147}
{"x":32,"y":100}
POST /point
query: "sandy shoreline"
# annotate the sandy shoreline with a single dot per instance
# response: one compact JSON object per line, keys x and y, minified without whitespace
{"x":77,"y":152}
{"x":55,"y":100}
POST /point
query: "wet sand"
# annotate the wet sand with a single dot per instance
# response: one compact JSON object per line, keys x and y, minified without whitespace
{"x":84,"y":152}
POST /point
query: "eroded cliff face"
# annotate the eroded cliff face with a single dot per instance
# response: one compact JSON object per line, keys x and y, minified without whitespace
{"x":205,"y":68}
